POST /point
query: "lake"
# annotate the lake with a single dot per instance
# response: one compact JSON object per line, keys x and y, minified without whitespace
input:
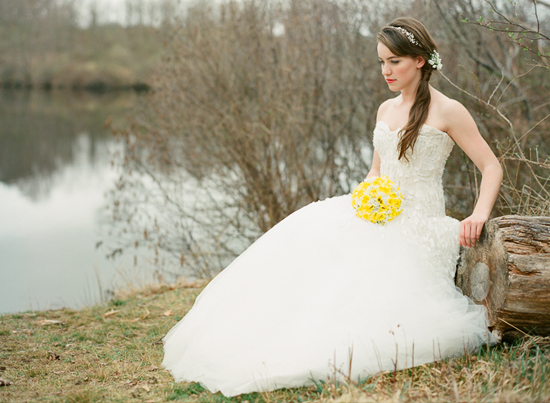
{"x":55,"y":169}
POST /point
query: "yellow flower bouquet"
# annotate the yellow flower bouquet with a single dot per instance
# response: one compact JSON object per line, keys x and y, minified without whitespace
{"x":377,"y":200}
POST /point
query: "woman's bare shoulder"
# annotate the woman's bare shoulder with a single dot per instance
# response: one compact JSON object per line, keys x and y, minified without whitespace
{"x":456,"y":119}
{"x":443,"y":103}
{"x":448,"y":112}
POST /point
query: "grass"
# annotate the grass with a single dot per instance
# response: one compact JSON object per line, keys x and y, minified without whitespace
{"x":112,"y":352}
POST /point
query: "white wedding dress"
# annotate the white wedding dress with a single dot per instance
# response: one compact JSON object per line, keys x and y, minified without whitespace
{"x":324,"y":286}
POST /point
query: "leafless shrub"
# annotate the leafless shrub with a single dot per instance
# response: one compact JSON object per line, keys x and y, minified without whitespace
{"x":265,"y":108}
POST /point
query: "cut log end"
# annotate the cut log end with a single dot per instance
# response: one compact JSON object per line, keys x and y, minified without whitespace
{"x":508,"y":271}
{"x":481,"y":281}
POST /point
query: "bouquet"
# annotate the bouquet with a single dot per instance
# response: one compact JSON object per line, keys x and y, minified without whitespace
{"x":377,"y":200}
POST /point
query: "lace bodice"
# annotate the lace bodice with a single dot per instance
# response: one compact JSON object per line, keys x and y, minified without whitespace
{"x":419,"y":178}
{"x":423,"y":219}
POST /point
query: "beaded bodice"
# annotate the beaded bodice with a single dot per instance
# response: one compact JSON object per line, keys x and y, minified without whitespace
{"x":419,"y":178}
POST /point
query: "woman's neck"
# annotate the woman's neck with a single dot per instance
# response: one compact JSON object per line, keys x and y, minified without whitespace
{"x":409,"y":94}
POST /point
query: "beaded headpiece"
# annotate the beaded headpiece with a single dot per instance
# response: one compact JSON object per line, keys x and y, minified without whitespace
{"x":434,"y":60}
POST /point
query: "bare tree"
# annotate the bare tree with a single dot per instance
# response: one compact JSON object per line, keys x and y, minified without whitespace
{"x":94,"y":13}
{"x":129,"y":9}
{"x":509,"y":57}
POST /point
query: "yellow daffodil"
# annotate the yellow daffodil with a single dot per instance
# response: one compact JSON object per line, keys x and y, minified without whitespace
{"x":377,"y":200}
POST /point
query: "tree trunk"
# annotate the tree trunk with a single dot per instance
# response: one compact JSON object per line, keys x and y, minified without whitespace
{"x":508,"y":271}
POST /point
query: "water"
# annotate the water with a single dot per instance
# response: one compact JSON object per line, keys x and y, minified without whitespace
{"x":55,"y":167}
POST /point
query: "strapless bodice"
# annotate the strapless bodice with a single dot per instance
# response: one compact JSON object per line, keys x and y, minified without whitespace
{"x":419,"y":178}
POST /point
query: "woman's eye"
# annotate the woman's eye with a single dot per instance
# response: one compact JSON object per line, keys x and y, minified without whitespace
{"x":395,"y":61}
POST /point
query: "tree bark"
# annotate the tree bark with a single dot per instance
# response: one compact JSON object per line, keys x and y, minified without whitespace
{"x":508,"y":271}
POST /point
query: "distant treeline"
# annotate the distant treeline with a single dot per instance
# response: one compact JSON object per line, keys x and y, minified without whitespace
{"x":44,"y":45}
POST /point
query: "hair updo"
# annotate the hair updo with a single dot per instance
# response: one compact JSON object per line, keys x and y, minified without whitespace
{"x":400,"y":44}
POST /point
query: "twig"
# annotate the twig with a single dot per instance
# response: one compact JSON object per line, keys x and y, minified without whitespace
{"x":517,"y":328}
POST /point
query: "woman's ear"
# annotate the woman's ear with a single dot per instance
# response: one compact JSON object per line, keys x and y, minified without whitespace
{"x":420,"y":61}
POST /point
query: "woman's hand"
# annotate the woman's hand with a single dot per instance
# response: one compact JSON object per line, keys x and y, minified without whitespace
{"x":470,"y":229}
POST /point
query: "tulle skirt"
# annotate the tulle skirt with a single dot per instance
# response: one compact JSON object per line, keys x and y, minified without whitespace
{"x":322,"y":292}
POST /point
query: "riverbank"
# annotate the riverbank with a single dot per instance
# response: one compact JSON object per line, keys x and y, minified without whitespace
{"x":112,"y":352}
{"x":105,"y":58}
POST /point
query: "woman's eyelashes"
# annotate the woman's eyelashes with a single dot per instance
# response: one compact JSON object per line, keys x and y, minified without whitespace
{"x":391,"y":61}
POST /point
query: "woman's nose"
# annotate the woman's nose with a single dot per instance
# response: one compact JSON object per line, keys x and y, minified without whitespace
{"x":386,"y":71}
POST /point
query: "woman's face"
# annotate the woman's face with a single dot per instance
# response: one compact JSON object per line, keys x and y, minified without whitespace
{"x":400,"y":72}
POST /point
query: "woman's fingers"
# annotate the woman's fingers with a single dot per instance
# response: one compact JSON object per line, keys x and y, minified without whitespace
{"x":466,"y":233}
{"x":473,"y":232}
{"x":477,"y":233}
{"x":463,"y":234}
{"x":470,"y":231}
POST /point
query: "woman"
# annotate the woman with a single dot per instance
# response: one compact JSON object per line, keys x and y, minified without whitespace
{"x":325,"y":293}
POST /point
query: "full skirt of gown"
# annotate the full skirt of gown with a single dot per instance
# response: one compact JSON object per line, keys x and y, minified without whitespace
{"x":324,"y":291}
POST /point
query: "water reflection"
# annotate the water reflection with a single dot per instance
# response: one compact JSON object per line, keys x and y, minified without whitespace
{"x":40,"y":132}
{"x":55,"y":166}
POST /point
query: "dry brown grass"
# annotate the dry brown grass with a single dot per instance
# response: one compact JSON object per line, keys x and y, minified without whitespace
{"x":113,"y":351}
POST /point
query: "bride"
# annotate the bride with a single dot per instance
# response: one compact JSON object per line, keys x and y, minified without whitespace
{"x":325,"y":293}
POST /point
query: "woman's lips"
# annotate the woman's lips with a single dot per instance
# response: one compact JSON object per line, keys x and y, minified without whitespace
{"x":389,"y":81}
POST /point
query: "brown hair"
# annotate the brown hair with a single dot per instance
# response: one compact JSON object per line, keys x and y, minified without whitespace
{"x":400,"y":45}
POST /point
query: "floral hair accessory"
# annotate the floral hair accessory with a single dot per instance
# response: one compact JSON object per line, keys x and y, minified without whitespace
{"x":435,"y":60}
{"x":407,"y":33}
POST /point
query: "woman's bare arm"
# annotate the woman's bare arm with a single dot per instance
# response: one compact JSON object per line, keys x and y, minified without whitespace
{"x":463,"y":129}
{"x":375,"y":167}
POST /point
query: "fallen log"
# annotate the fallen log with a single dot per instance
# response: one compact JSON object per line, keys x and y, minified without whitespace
{"x":508,"y":271}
